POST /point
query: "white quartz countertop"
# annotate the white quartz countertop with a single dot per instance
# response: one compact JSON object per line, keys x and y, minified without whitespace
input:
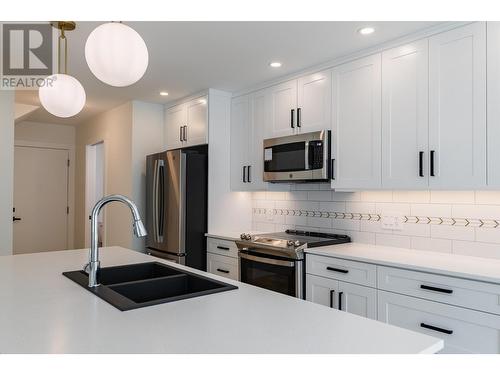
{"x":462,"y":266}
{"x":42,"y":311}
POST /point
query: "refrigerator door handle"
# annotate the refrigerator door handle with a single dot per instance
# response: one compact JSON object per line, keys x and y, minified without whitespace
{"x":161,"y":199}
{"x":155,"y":201}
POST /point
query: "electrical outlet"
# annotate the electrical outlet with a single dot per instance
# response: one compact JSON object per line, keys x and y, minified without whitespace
{"x":391,"y":222}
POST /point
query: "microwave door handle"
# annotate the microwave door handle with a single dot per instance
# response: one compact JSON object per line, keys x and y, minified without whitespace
{"x":306,"y":155}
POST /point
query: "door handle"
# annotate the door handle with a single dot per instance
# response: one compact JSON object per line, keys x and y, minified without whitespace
{"x":185,"y":132}
{"x":340,"y":300}
{"x":332,"y":169}
{"x":332,"y":292}
{"x":222,"y":270}
{"x":248,"y":173}
{"x":436,"y":289}
{"x":244,"y":173}
{"x":298,"y":117}
{"x":432,"y":163}
{"x":421,"y":164}
{"x":292,"y":125}
{"x":15,"y":218}
{"x":180,"y":133}
{"x":337,"y":270}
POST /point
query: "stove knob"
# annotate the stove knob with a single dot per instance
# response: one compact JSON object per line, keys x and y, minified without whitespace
{"x":297,"y":243}
{"x":242,"y":236}
{"x":289,"y":243}
{"x":248,"y":237}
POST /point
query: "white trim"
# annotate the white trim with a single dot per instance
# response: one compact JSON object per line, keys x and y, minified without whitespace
{"x":422,"y":34}
{"x":71,"y":180}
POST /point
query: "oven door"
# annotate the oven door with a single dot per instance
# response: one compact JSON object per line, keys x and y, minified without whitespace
{"x":279,"y":275}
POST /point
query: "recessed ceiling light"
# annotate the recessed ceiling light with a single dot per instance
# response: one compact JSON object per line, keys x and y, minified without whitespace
{"x":275,"y":64}
{"x":366,"y":30}
{"x":163,"y":93}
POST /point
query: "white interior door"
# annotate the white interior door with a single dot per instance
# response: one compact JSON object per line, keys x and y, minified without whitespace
{"x":40,"y":199}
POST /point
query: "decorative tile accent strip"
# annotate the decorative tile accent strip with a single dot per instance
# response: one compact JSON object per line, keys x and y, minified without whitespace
{"x":459,"y":222}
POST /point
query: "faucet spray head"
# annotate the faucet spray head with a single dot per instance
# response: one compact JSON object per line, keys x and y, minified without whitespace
{"x":139,"y":228}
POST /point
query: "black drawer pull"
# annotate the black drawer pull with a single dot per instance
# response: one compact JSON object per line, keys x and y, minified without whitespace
{"x":340,"y":300}
{"x":336,"y":270}
{"x":432,"y":163}
{"x":438,"y":329}
{"x":223,"y":271}
{"x":332,"y":292}
{"x":436,"y":289}
{"x":292,"y":125}
{"x":421,"y":164}
{"x":222,"y":247}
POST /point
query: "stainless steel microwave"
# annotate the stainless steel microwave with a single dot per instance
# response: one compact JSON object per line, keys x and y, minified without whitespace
{"x":298,"y":158}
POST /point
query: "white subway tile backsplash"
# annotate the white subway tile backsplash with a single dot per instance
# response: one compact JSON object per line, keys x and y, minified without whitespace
{"x":452,"y":232}
{"x":376,"y":196}
{"x":404,"y":196}
{"x":320,"y":195}
{"x":457,"y":197}
{"x":461,"y":222}
{"x":360,"y":207}
{"x":431,"y":210}
{"x":476,"y":249}
{"x":392,"y":240}
{"x":431,"y":244}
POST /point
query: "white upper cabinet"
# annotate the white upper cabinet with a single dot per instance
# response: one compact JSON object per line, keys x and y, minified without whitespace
{"x":405,"y":124}
{"x":283,"y":109}
{"x":493,"y":104}
{"x":356,"y":128}
{"x":457,"y":108}
{"x":175,"y":119}
{"x":314,"y":102}
{"x":300,"y":105}
{"x":240,"y":131}
{"x":186,"y":124}
{"x":197,"y":122}
{"x":249,"y":117}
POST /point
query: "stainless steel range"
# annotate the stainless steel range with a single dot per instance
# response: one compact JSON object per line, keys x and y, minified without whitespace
{"x":275,"y":261}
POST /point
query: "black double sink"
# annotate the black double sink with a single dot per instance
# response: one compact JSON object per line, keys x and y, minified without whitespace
{"x":145,"y":284}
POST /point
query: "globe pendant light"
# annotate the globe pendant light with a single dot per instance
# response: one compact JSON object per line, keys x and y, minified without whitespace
{"x":116,"y":54}
{"x":63,"y":95}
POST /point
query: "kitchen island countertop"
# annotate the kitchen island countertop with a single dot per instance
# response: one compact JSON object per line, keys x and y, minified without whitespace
{"x":44,"y":312}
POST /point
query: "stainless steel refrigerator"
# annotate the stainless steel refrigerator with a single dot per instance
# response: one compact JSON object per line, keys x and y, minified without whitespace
{"x":176,"y":206}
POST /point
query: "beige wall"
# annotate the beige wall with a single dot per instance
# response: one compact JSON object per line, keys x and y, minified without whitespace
{"x":114,"y":127}
{"x":6,"y":170}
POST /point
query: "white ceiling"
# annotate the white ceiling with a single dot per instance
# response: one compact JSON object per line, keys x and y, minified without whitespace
{"x":187,"y":57}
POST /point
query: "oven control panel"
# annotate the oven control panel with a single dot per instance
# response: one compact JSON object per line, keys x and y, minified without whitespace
{"x":275,"y":242}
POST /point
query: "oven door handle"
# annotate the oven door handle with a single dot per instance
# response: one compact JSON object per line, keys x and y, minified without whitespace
{"x":276,"y":262}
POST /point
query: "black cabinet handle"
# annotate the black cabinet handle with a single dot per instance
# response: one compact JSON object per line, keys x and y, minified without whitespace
{"x":222,"y":247}
{"x":340,"y":300}
{"x":223,"y":271}
{"x":299,"y":117}
{"x":438,"y":329}
{"x":292,"y":125}
{"x":421,"y":164}
{"x":332,"y":169}
{"x":15,"y":218}
{"x":332,"y":292}
{"x":336,"y":270}
{"x":436,"y":289}
{"x":244,"y":173}
{"x":180,"y":133}
{"x":432,"y":163}
{"x":185,"y":132}
{"x":248,"y":174}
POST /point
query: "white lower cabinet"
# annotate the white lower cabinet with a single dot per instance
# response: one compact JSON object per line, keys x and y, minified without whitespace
{"x":463,"y":330}
{"x":222,"y":266}
{"x":352,"y":298}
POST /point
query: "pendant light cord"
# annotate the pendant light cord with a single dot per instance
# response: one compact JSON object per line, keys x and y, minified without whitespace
{"x":62,"y":38}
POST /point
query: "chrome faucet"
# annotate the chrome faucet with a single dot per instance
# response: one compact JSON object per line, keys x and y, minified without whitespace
{"x":92,"y":267}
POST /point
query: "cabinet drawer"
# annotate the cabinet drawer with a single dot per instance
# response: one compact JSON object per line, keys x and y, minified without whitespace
{"x":222,"y":247}
{"x":222,"y":266}
{"x":340,"y":269}
{"x":463,"y":330}
{"x":454,"y":291}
